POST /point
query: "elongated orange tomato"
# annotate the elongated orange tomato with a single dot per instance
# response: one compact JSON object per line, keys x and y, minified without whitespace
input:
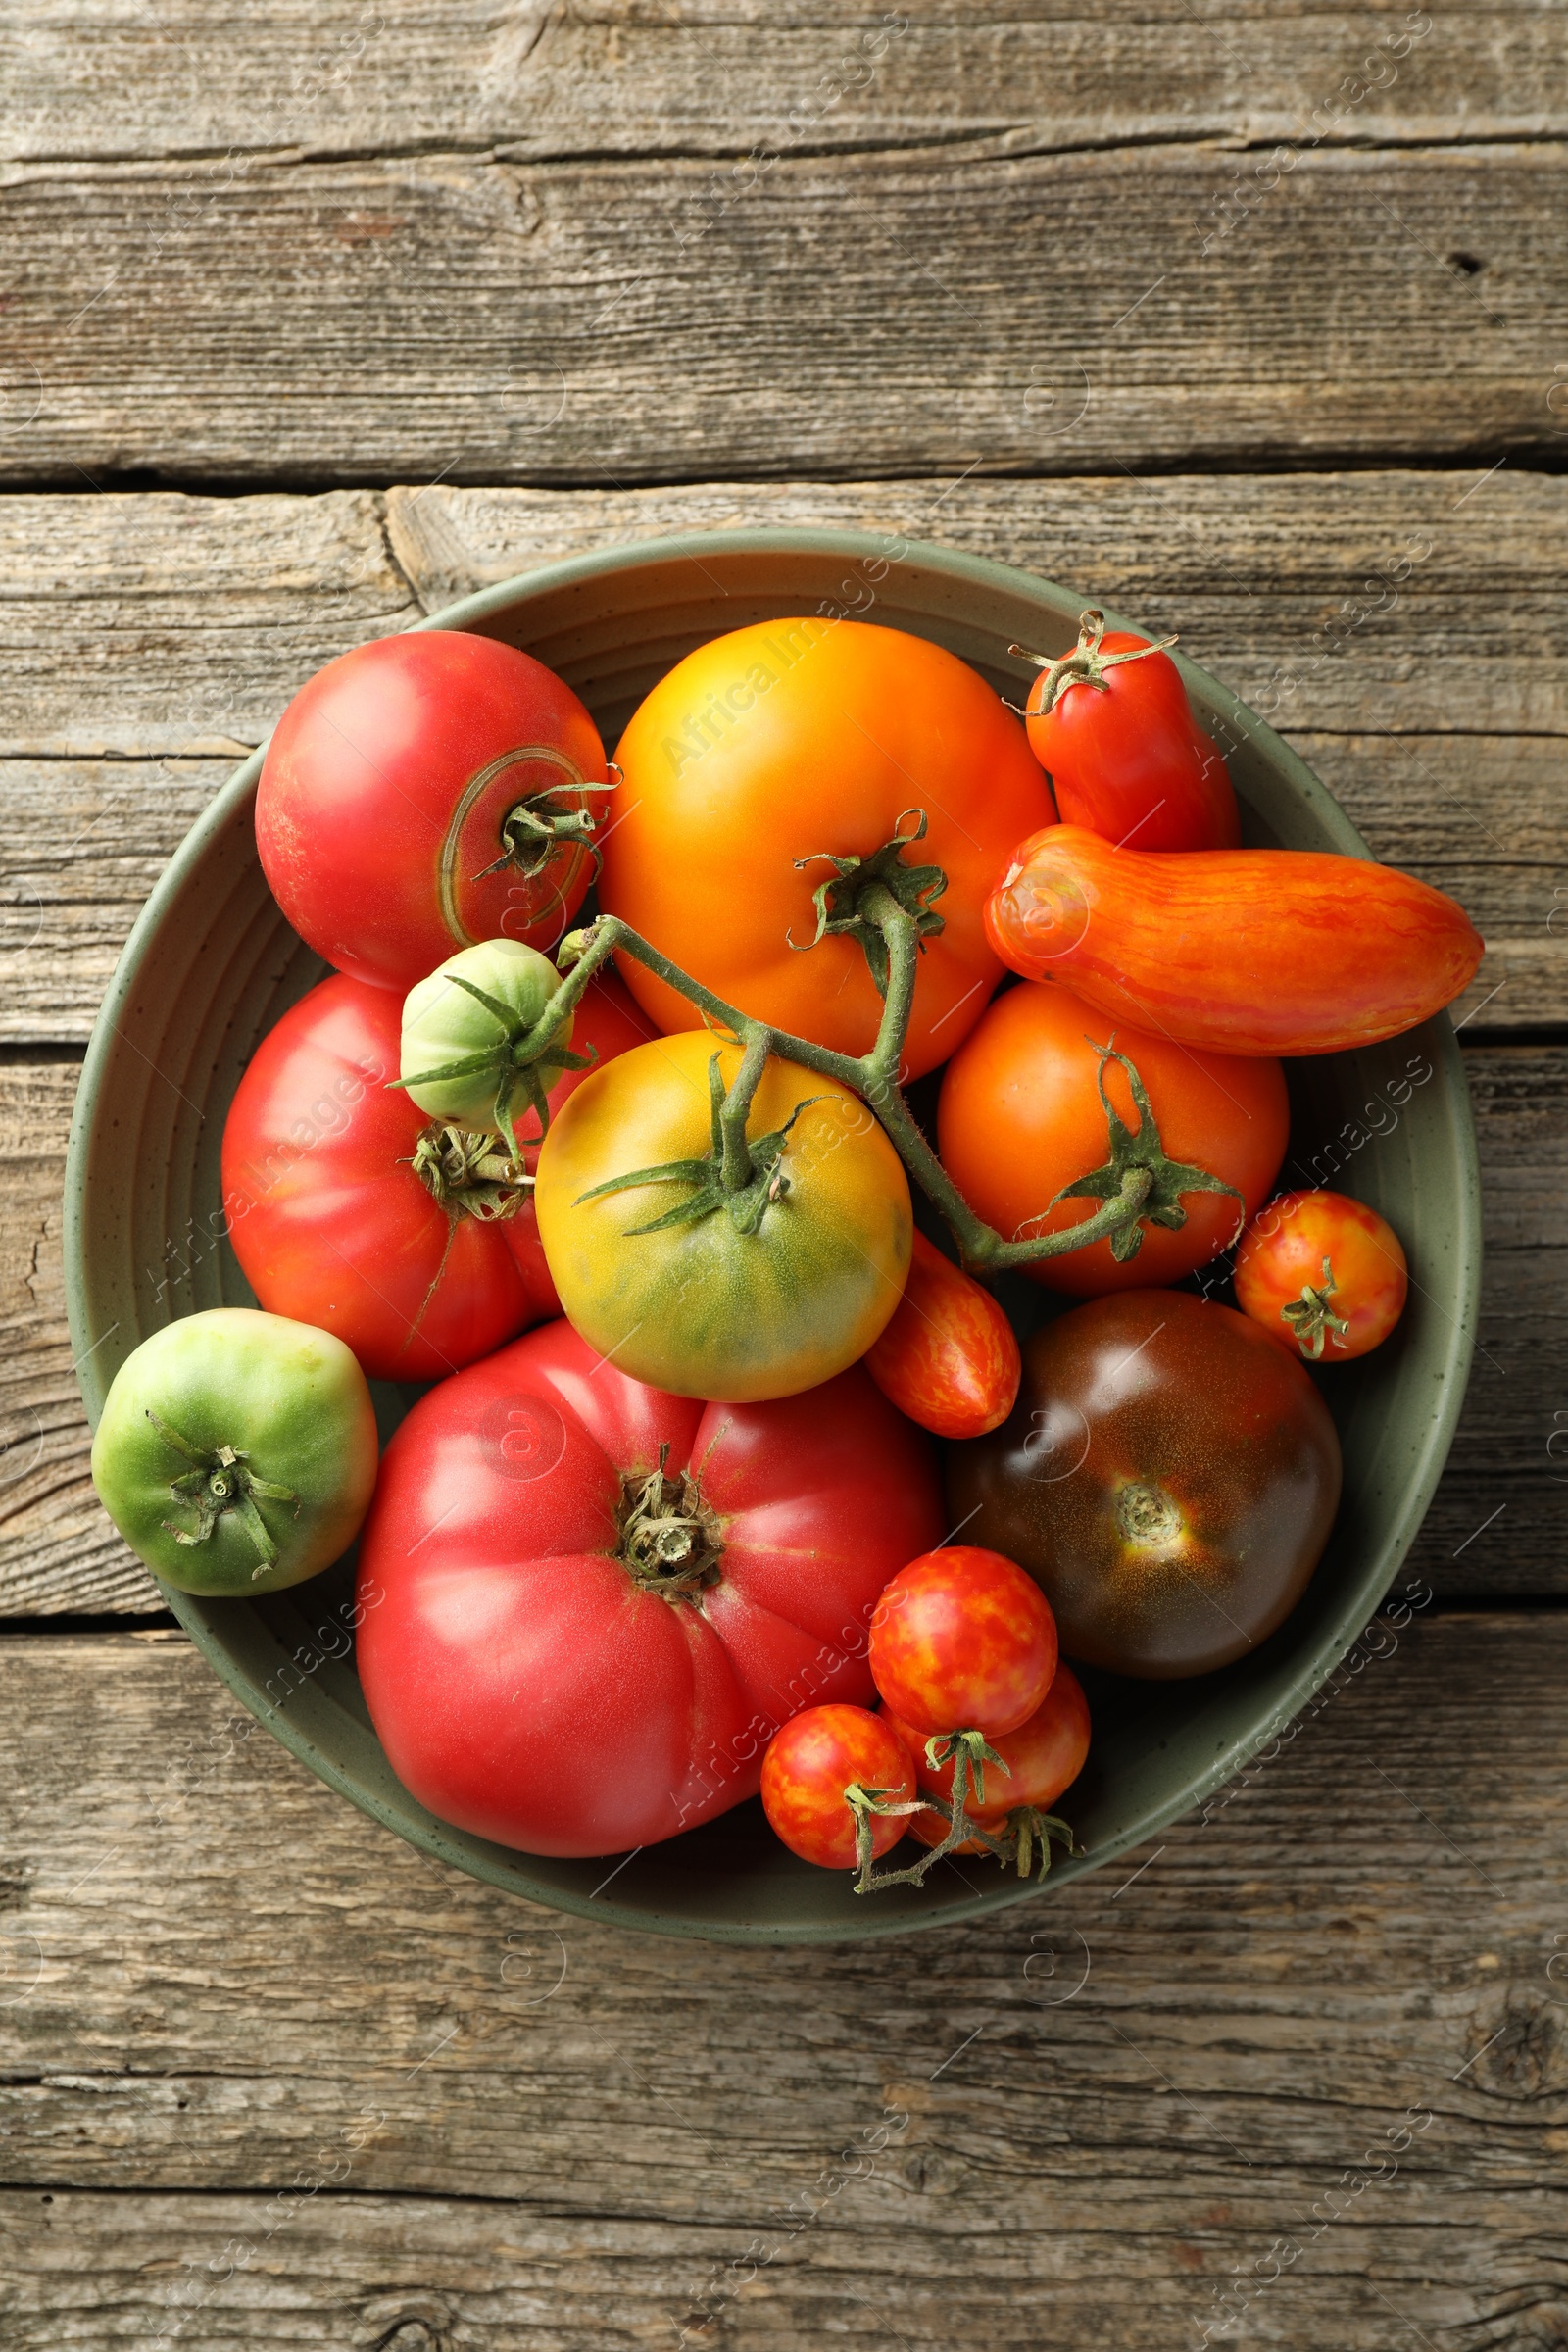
{"x":948,"y":1358}
{"x":1247,"y":950}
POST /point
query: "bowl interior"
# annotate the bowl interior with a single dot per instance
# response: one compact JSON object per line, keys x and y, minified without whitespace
{"x":211,"y":965}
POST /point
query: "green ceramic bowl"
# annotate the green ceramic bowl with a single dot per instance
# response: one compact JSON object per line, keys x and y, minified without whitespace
{"x":212,"y":964}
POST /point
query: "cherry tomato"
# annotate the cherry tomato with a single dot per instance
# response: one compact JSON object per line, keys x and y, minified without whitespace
{"x":1044,"y":1756}
{"x":949,"y":1358}
{"x":587,"y":1605}
{"x":386,"y":790}
{"x":716,"y":1304}
{"x":1020,"y":1118}
{"x":1125,"y":756}
{"x":1243,"y":951}
{"x":1168,"y":1474}
{"x":1322,"y":1274}
{"x":803,"y":740}
{"x":962,"y":1641}
{"x":350,"y":1209}
{"x":810,"y":1762}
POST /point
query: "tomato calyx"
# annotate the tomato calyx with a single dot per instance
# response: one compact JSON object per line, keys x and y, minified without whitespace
{"x":1084,"y":666}
{"x":847,"y":905}
{"x":464,"y":1173}
{"x":218,"y":1481}
{"x":670,"y":1540}
{"x":535,"y":830}
{"x":969,"y":1753}
{"x":1312,"y":1317}
{"x":742,"y":1174}
{"x":1135,"y":1148}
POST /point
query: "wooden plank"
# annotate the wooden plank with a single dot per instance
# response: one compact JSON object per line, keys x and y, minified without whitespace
{"x":57,"y":1553}
{"x":715,"y":77}
{"x":451,"y":316}
{"x":143,"y":632}
{"x":1316,"y":2018}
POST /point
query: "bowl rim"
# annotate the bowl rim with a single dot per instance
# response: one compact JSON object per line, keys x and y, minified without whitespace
{"x":1308,"y":1672}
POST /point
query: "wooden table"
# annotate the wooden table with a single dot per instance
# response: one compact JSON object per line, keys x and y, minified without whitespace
{"x":1249,"y":319}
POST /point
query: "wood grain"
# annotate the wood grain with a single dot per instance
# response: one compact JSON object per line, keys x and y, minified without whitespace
{"x":147,"y":637}
{"x":1102,"y":2108}
{"x":457,"y":317}
{"x":715,"y":78}
{"x":1496,"y":1526}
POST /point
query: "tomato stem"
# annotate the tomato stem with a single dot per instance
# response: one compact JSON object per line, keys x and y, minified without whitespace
{"x":1135,"y":1173}
{"x":1311,"y":1316}
{"x":1084,"y":666}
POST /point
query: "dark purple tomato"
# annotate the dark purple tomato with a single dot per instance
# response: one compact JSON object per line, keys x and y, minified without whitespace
{"x":1169,"y":1475}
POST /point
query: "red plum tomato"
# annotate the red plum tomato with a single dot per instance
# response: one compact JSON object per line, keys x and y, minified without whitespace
{"x":350,"y":1209}
{"x":949,"y":1358}
{"x":962,"y":1641}
{"x":1125,"y":756}
{"x":1323,"y":1274}
{"x":588,"y":1605}
{"x":1020,"y":1116}
{"x":1169,"y":1475}
{"x":810,"y":1763}
{"x":386,"y":790}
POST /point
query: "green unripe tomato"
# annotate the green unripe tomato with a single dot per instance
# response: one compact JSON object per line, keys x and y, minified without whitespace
{"x":244,"y":1435}
{"x":444,"y":1025}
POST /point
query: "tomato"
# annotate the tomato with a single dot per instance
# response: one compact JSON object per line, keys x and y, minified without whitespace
{"x":459,"y":1029}
{"x":811,"y":1760}
{"x":962,"y":1640}
{"x":803,"y":741}
{"x":1043,"y":1756}
{"x":236,"y":1451}
{"x":1020,"y":1118}
{"x":1244,"y":951}
{"x":575,"y":1650}
{"x":385,"y":789}
{"x":333,"y":1223}
{"x":1322,"y":1274}
{"x":1123,"y":752}
{"x":1170,"y":1475}
{"x":763,"y":1300}
{"x":948,"y":1357}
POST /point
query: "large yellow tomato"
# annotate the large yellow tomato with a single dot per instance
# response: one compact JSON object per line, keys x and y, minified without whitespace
{"x":764,"y":1300}
{"x":788,"y":739}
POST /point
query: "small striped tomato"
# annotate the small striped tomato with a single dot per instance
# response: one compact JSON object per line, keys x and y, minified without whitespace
{"x":810,"y":1762}
{"x":1323,"y":1274}
{"x":948,"y":1358}
{"x":962,"y":1641}
{"x":1044,"y":1756}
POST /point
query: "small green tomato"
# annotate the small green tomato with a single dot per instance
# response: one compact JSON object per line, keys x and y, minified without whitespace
{"x":238,"y":1451}
{"x":459,"y":1029}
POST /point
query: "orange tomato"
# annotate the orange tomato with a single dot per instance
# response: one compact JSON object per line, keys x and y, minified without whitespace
{"x":948,"y":1358}
{"x":1323,"y":1274}
{"x":786,"y":740}
{"x":962,"y":1640}
{"x":1020,"y":1116}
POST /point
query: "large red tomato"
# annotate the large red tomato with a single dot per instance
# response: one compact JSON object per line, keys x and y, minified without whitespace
{"x":594,"y":1603}
{"x":384,"y":791}
{"x":1020,"y":1116}
{"x":333,"y":1223}
{"x":768,"y":754}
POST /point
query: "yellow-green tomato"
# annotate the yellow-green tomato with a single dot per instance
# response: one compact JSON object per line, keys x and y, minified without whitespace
{"x":704,"y":1305}
{"x":445,"y":1023}
{"x":238,"y":1451}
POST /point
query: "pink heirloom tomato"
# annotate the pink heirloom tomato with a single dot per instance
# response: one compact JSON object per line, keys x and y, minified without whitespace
{"x":597,"y":1603}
